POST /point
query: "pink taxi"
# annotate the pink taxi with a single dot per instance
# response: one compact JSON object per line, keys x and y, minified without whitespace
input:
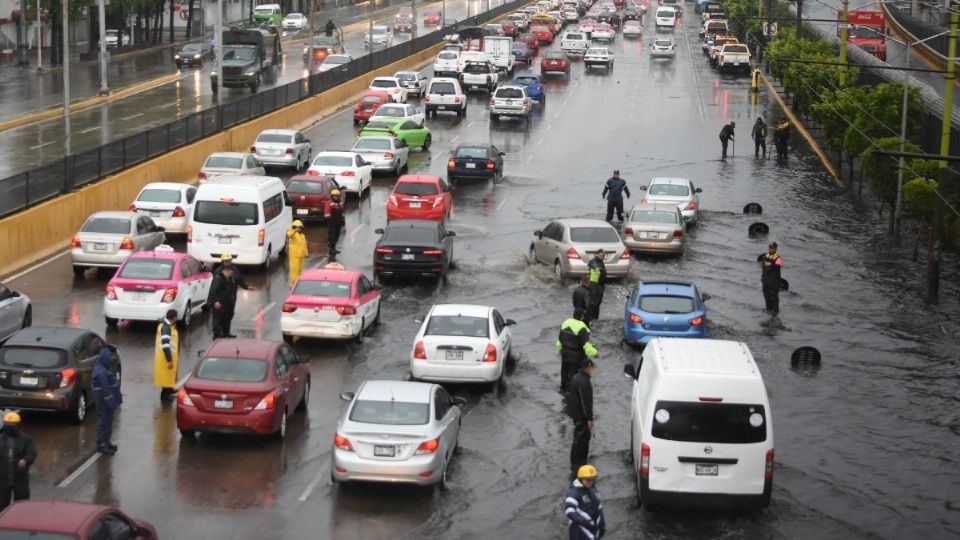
{"x":330,"y":302}
{"x":149,"y":283}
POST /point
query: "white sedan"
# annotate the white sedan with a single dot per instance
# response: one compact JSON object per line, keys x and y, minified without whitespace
{"x":392,"y":86}
{"x":461,"y":343}
{"x":663,"y":48}
{"x":379,"y":35}
{"x":335,"y":61}
{"x":349,"y":169}
{"x":295,"y":21}
{"x":603,"y":31}
{"x":225,"y":163}
{"x":400,"y":110}
{"x":169,"y":205}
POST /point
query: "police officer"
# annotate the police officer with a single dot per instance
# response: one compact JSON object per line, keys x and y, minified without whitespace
{"x":759,"y":134}
{"x":166,"y":354}
{"x":579,"y":403}
{"x":222,"y":298}
{"x":613,"y":191}
{"x":17,"y":454}
{"x":106,"y":397}
{"x":583,"y":507}
{"x":296,"y":250}
{"x":780,"y":137}
{"x":330,"y":27}
{"x":770,"y":265}
{"x":581,"y":297}
{"x":574,"y":346}
{"x":598,"y":281}
{"x":726,"y":135}
{"x":335,"y":221}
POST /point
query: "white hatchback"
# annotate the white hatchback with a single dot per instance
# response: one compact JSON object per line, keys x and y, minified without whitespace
{"x":392,"y":86}
{"x":399,"y":110}
{"x":168,"y":204}
{"x":348,"y":169}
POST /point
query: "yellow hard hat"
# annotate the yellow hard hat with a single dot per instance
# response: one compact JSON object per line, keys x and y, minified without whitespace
{"x":298,"y":223}
{"x":334,"y":192}
{"x":11,"y":418}
{"x":226,"y":257}
{"x":587,"y":471}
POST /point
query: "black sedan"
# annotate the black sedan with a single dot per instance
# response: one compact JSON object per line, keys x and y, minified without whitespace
{"x":475,"y":160}
{"x":192,"y":54}
{"x":48,"y":368}
{"x":413,"y":248}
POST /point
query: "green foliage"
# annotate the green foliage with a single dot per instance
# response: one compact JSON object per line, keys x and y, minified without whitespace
{"x":882,"y":171}
{"x":919,"y":197}
{"x":834,"y":108}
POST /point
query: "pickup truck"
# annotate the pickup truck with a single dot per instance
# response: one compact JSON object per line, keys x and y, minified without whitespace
{"x":574,"y":43}
{"x":718,"y":43}
{"x":734,"y":57}
{"x":479,"y":75}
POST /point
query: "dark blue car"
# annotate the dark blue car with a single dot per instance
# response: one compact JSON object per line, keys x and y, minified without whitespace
{"x":521,"y":53}
{"x":475,"y":160}
{"x":664,"y":309}
{"x":533,"y":84}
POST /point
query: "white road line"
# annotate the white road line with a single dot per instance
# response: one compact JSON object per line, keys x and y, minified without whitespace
{"x":311,"y":486}
{"x":94,"y":128}
{"x":540,"y":141}
{"x":75,"y":474}
{"x":529,"y":158}
{"x":358,"y":229}
{"x":132,"y":116}
{"x":556,"y":114}
{"x":470,"y":123}
{"x":38,"y":265}
{"x":42,"y":145}
{"x":171,"y":104}
{"x":499,"y":206}
{"x":263,"y":310}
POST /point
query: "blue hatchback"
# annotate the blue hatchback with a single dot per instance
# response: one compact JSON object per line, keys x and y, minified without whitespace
{"x":533,"y":84}
{"x":664,"y":309}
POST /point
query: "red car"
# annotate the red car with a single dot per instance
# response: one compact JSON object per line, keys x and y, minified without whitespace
{"x":555,"y":62}
{"x":509,"y":28}
{"x":432,"y":17}
{"x":531,"y":40}
{"x":243,"y":386}
{"x":71,"y":520}
{"x":309,"y":195}
{"x":543,"y":32}
{"x":368,"y":104}
{"x":420,"y":197}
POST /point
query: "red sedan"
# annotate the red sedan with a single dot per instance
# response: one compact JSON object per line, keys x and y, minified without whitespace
{"x":531,"y":40}
{"x":432,"y":17}
{"x":420,"y":197}
{"x":543,"y":32}
{"x":309,"y":195}
{"x":243,"y":386}
{"x":368,"y":104}
{"x":509,"y":28}
{"x":555,"y":62}
{"x":67,"y":519}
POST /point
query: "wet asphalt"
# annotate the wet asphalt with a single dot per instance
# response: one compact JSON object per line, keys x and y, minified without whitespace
{"x":865,"y":445}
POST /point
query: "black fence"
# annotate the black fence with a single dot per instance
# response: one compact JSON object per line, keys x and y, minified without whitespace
{"x":27,"y":189}
{"x":922,"y":29}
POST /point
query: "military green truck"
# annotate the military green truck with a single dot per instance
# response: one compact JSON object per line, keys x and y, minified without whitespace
{"x":250,"y":58}
{"x":268,"y":14}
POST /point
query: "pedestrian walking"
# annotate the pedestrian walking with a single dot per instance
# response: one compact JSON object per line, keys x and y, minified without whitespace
{"x":222,"y":297}
{"x":579,"y":402}
{"x":770,"y":265}
{"x":613,"y":192}
{"x":781,"y":135}
{"x":330,"y":27}
{"x":598,"y":281}
{"x":106,"y":398}
{"x":17,"y":454}
{"x":574,"y":346}
{"x":759,"y":134}
{"x":581,"y":297}
{"x":333,"y":212}
{"x":296,"y":250}
{"x":583,"y":507}
{"x":166,"y":356}
{"x":726,"y":135}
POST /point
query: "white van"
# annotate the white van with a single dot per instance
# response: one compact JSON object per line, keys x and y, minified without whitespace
{"x":701,"y":431}
{"x":666,"y":17}
{"x":245,"y":216}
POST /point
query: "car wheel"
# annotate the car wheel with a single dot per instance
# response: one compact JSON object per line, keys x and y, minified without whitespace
{"x":494,"y":117}
{"x":362,"y":332}
{"x":426,"y":143}
{"x":282,"y":430}
{"x":186,"y":316}
{"x":396,"y":170}
{"x":288,"y":339}
{"x":27,"y":317}
{"x":376,"y":319}
{"x":111,"y":322}
{"x":188,"y":434}
{"x":532,"y":255}
{"x":305,"y":400}
{"x":265,"y":265}
{"x":442,"y":484}
{"x":79,"y":271}
{"x":255,"y":85}
{"x":558,"y":271}
{"x":79,"y":412}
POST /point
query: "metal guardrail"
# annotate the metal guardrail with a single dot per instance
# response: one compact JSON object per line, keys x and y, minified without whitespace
{"x":29,"y":188}
{"x":912,"y":30}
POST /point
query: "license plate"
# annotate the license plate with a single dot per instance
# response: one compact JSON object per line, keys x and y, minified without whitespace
{"x":471,"y":165}
{"x":302,"y":211}
{"x":454,"y":355}
{"x":407,"y":256}
{"x":707,"y":470}
{"x":224,"y":240}
{"x":227,"y":404}
{"x":384,"y":451}
{"x":414,"y":204}
{"x":99,"y":246}
{"x":653,"y":235}
{"x":442,"y":108}
{"x":29,"y":381}
{"x":139,"y":297}
{"x":154,"y":214}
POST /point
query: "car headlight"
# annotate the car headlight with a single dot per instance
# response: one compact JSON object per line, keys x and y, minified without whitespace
{"x":250,"y":73}
{"x":196,"y":57}
{"x":176,"y":57}
{"x":213,"y":73}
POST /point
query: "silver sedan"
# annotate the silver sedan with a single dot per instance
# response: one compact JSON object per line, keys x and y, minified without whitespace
{"x":569,"y":244}
{"x":108,"y":238}
{"x":655,"y":228}
{"x":396,"y":432}
{"x":16,"y":312}
{"x":679,"y":191}
{"x":384,"y":153}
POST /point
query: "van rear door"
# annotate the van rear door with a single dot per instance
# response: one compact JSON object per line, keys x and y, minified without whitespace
{"x":226,"y":225}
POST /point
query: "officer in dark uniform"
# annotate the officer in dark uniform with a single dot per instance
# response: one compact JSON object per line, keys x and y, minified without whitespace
{"x":598,"y":281}
{"x":17,"y":454}
{"x":581,"y":297}
{"x":726,"y":135}
{"x":580,"y":409}
{"x":613,"y":191}
{"x":335,"y":221}
{"x":330,"y":27}
{"x":574,"y":346}
{"x":222,"y":298}
{"x":583,"y":508}
{"x":770,"y":265}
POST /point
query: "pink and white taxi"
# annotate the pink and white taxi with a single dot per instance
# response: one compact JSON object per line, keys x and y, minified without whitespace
{"x":151,"y":282}
{"x":330,"y":302}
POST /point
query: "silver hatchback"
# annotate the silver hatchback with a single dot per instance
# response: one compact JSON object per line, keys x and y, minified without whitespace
{"x":569,"y":244}
{"x":679,"y":191}
{"x":655,"y":228}
{"x":384,"y":153}
{"x":108,"y":238}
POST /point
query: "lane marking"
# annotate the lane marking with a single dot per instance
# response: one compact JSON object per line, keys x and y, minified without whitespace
{"x":90,"y":129}
{"x":132,"y":116}
{"x":540,"y":141}
{"x":42,"y":145}
{"x":38,"y":265}
{"x":529,"y":158}
{"x":80,"y":470}
{"x":499,"y":206}
{"x":310,"y":487}
{"x":360,"y":228}
{"x":263,"y":311}
{"x":171,"y":104}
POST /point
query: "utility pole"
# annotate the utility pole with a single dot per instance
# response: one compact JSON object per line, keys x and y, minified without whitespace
{"x":66,"y":76}
{"x":903,"y":142}
{"x":39,"y":40}
{"x":933,"y":287}
{"x":102,"y":22}
{"x":800,"y":19}
{"x":310,"y":52}
{"x":218,"y":47}
{"x":22,"y":53}
{"x":844,"y":36}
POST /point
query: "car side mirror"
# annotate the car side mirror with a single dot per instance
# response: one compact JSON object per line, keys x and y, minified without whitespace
{"x":306,"y":140}
{"x":376,"y":286}
{"x":510,"y":322}
{"x":451,"y":233}
{"x":538,"y":234}
{"x":698,"y":190}
{"x":459,"y":401}
{"x":418,"y":320}
{"x":200,"y":353}
{"x":159,"y":229}
{"x":643,"y":188}
{"x":629,"y":372}
{"x":378,"y":231}
{"x":347,"y":396}
{"x":503,"y":153}
{"x":704,"y":297}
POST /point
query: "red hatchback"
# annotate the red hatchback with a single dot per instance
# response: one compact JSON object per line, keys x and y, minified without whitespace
{"x":543,"y":32}
{"x":67,"y":520}
{"x":420,"y":197}
{"x":368,"y":103}
{"x":532,"y":41}
{"x":432,"y":17}
{"x":243,"y":386}
{"x":555,"y":62}
{"x":509,"y":28}
{"x":309,"y":195}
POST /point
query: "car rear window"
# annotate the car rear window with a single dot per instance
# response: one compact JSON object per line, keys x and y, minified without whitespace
{"x":107,"y":226}
{"x":337,"y":59}
{"x":313,"y":188}
{"x":735,"y":49}
{"x":442,"y":88}
{"x":334,"y":161}
{"x":575,"y":36}
{"x":510,"y":93}
{"x":396,"y":112}
{"x":416,"y":188}
{"x":373,"y":144}
{"x":32,"y":357}
{"x":379,"y":125}
{"x":406,"y":76}
{"x":664,"y":13}
{"x":384,"y":84}
{"x":471,"y":152}
{"x":654,"y":216}
{"x":226,"y":213}
{"x":275,"y":138}
{"x":159,"y":195}
{"x":332,"y":289}
{"x":11,"y":534}
{"x":722,"y":423}
{"x":670,"y":190}
{"x":448,"y":55}
{"x":594,"y":234}
{"x":372,"y":99}
{"x":410,"y":234}
{"x":666,"y":304}
{"x":392,"y":413}
{"x":663,"y":43}
{"x":147,"y":269}
{"x":476,"y":68}
{"x":526,"y":80}
{"x":232,"y":369}
{"x":455,"y":325}
{"x":223,"y":162}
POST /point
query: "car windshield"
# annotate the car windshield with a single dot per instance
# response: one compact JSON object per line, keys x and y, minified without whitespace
{"x":144,"y":268}
{"x":654,"y":216}
{"x":191,"y":48}
{"x":865,"y":32}
{"x":475,"y":152}
{"x":32,"y":357}
{"x":225,"y":213}
{"x":442,"y":88}
{"x":378,"y":31}
{"x":275,"y":138}
{"x":332,"y":289}
{"x":719,"y":423}
{"x":20,"y":534}
{"x":223,"y":162}
{"x":519,"y":47}
{"x":457,"y":325}
{"x":395,"y":112}
{"x":214,"y":368}
{"x":670,"y":190}
{"x":663,"y":43}
{"x":373,"y":144}
{"x":510,"y":93}
{"x":337,"y":59}
{"x":334,"y":161}
{"x":240,"y":53}
{"x":263,"y":10}
{"x":594,"y":235}
{"x":383,"y":84}
{"x":324,"y":41}
{"x":159,"y":195}
{"x":378,"y":126}
{"x":107,"y":226}
{"x":391,"y":413}
{"x":556,"y":55}
{"x":300,"y":186}
{"x":415,"y":188}
{"x":666,"y":304}
{"x":410,"y":234}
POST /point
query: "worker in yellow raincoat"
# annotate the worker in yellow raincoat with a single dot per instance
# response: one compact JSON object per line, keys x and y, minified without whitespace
{"x":166,"y":358}
{"x":296,"y":250}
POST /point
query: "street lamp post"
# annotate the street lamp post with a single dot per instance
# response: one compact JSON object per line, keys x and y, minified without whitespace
{"x":39,"y":40}
{"x":218,"y":47}
{"x":101,"y":15}
{"x":310,"y":43}
{"x":66,"y":76}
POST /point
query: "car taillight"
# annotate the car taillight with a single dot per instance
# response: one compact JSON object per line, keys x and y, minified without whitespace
{"x":628,"y":231}
{"x":645,"y":460}
{"x":433,"y":252}
{"x":253,"y":149}
{"x":346,"y":310}
{"x":169,"y":295}
{"x":428,"y":447}
{"x":678,"y":233}
{"x":526,"y":102}
{"x":491,"y":354}
{"x":67,"y":377}
{"x":456,"y":99}
{"x":491,"y":164}
{"x":348,"y":173}
{"x":393,"y":200}
{"x":419,"y":351}
{"x":312,"y":172}
{"x":289,"y":308}
{"x":133,"y":208}
{"x":388,"y":155}
{"x":126,"y":243}
{"x":572,"y":254}
{"x":189,"y":234}
{"x":636,"y":319}
{"x":625,"y":254}
{"x":768,"y":469}
{"x":692,"y":205}
{"x":289,"y":151}
{"x":342,"y":443}
{"x":178,"y":212}
{"x":384,"y":251}
{"x":75,"y":241}
{"x":451,"y":164}
{"x":269,"y":401}
{"x":183,"y":398}
{"x":201,"y":176}
{"x":261,"y":236}
{"x":437,"y":201}
{"x":539,"y":88}
{"x":696,"y":321}
{"x":111,"y":293}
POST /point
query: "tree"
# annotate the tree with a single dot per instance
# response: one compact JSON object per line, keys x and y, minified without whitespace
{"x":835,"y":111}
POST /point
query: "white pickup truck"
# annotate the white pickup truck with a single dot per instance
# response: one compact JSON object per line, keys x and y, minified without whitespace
{"x":479,"y":75}
{"x":499,"y":53}
{"x":574,"y":42}
{"x":733,"y":57}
